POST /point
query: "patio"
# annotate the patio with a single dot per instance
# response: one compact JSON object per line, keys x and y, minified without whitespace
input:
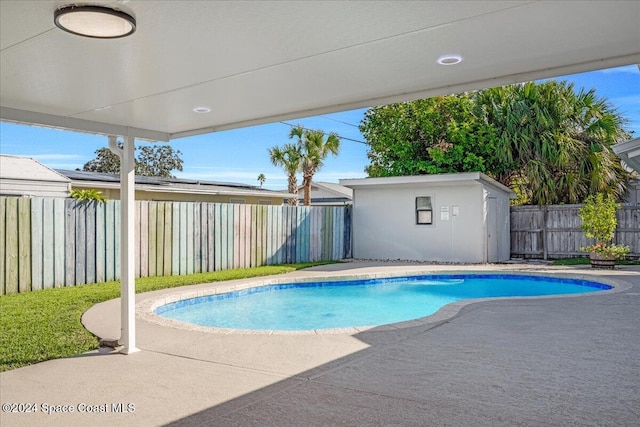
{"x":544,"y":361}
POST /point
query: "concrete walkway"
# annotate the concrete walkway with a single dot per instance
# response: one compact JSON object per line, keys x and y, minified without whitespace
{"x":543,"y":361}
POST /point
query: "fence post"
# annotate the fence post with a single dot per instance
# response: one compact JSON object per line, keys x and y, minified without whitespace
{"x":545,"y":246}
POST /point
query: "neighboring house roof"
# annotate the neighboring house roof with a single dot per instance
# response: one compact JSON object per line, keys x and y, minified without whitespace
{"x":24,"y":176}
{"x":629,"y":152}
{"x":439,"y":179}
{"x":327,"y":193}
{"x":169,"y":185}
{"x":27,"y":169}
{"x":335,"y":188}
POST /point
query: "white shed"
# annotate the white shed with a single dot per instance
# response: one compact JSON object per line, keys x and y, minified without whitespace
{"x":446,"y":218}
{"x":23,"y":176}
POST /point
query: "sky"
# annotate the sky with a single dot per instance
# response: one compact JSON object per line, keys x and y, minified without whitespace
{"x":240,"y":155}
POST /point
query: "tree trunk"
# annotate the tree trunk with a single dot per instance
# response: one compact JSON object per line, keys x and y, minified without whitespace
{"x":306,"y":184}
{"x":293,"y":189}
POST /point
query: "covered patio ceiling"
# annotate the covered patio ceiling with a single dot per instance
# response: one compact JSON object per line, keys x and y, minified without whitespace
{"x":258,"y":62}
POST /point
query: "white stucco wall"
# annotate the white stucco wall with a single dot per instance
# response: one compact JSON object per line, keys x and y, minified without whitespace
{"x":384,"y":224}
{"x":470,"y":218}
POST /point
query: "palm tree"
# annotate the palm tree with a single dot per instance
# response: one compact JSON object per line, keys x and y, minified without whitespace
{"x":261,"y":179}
{"x":314,"y":148}
{"x":290,"y":158}
{"x":556,"y":142}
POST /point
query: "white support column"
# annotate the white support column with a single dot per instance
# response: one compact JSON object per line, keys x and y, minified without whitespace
{"x":127,"y":243}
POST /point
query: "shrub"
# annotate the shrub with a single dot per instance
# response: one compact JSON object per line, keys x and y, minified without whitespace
{"x":88,"y":194}
{"x":599,"y":222}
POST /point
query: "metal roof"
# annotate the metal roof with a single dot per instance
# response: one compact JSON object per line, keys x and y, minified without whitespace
{"x":173,"y":184}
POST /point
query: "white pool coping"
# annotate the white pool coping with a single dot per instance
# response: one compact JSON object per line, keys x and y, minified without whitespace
{"x":145,"y":309}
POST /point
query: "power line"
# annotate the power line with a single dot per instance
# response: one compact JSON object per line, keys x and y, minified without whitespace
{"x":341,"y":137}
{"x":339,"y":121}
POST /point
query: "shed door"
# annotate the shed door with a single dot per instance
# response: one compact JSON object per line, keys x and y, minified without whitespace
{"x":492,"y":230}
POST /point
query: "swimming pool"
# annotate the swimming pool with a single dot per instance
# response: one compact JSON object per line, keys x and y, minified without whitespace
{"x":358,"y":303}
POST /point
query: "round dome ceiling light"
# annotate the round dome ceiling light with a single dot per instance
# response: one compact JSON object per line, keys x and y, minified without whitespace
{"x":201,"y":110}
{"x":97,"y":22}
{"x":449,"y":59}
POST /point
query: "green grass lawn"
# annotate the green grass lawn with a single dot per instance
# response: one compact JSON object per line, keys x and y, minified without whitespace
{"x":42,"y":325}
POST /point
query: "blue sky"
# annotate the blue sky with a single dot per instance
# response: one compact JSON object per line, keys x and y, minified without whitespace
{"x":240,"y":155}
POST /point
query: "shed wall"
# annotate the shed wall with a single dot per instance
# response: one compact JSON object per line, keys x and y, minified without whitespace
{"x":384,"y":224}
{"x":503,"y":230}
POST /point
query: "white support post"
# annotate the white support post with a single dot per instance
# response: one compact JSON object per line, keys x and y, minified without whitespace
{"x":127,"y":243}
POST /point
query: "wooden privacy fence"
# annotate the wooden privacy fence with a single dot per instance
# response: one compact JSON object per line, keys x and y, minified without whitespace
{"x":47,"y":242}
{"x":554,"y":231}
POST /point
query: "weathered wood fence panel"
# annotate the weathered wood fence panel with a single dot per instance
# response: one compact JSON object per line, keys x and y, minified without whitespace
{"x":46,"y":242}
{"x":554,"y":231}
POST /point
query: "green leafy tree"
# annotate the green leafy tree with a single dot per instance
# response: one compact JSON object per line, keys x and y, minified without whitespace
{"x":158,"y":160}
{"x":314,"y":148}
{"x":290,"y":158}
{"x":547,"y":142}
{"x":151,"y":160}
{"x":599,"y":221}
{"x":106,"y":162}
{"x":428,"y":136}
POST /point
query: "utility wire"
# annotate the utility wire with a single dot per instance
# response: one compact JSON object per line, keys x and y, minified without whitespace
{"x":339,"y":121}
{"x":341,"y":137}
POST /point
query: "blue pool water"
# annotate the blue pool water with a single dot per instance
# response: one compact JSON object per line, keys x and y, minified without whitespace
{"x":360,"y":303}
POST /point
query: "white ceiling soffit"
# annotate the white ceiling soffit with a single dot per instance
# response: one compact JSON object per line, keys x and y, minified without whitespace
{"x":260,"y":62}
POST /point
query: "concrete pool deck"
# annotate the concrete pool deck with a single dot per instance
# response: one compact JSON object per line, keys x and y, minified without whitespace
{"x":535,"y":361}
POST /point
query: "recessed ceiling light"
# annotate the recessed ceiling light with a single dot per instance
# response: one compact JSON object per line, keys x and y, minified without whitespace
{"x":94,"y":21}
{"x":202,"y":109}
{"x":449,"y":59}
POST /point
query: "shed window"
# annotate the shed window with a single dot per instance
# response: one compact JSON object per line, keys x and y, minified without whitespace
{"x":424,"y":212}
{"x":264,"y":202}
{"x":238,"y":201}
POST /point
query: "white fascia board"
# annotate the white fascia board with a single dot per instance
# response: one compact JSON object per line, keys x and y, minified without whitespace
{"x":418,"y":180}
{"x":96,"y":184}
{"x":78,"y":125}
{"x":411,"y":180}
{"x":487,"y":180}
